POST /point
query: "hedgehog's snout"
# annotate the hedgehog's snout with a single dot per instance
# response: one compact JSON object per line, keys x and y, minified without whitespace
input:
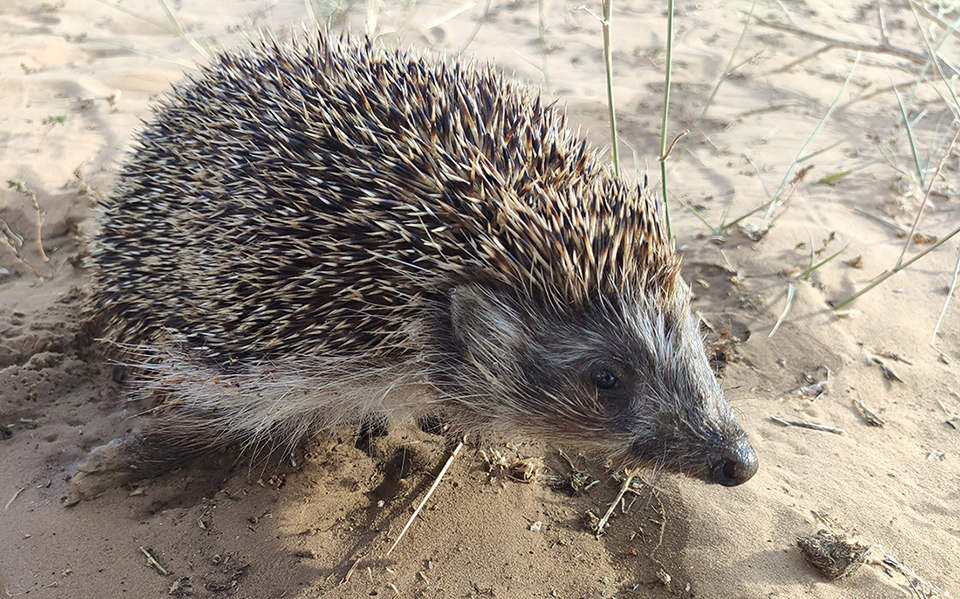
{"x":737,"y":464}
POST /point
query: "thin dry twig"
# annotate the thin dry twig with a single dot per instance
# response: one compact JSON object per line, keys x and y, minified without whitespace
{"x":5,"y":244}
{"x":353,"y":568}
{"x":661,"y":569}
{"x":946,"y":302}
{"x":920,"y":8}
{"x":810,"y":425}
{"x":791,"y":290}
{"x":476,"y":29}
{"x":794,"y":185}
{"x":674,"y":143}
{"x":889,"y":273}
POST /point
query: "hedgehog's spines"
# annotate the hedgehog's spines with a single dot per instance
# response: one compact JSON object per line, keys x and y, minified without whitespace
{"x":361,"y":174}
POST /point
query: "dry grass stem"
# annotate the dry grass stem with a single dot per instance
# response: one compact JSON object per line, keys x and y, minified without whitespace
{"x":946,"y":302}
{"x":353,"y":568}
{"x":153,"y":562}
{"x":426,"y":497}
{"x":883,"y":221}
{"x":938,"y":63}
{"x":476,"y":30}
{"x":542,"y":39}
{"x":813,"y":136}
{"x":606,"y":24}
{"x":674,"y":143}
{"x":729,"y":69}
{"x":921,"y":9}
{"x":180,"y":31}
{"x":868,"y":415}
{"x":14,"y":498}
{"x":791,"y":290}
{"x":778,"y":198}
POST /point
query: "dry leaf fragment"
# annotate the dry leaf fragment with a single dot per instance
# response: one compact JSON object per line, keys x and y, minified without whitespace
{"x":868,"y":416}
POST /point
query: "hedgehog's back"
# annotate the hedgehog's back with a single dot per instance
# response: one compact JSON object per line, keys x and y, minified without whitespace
{"x":322,"y":197}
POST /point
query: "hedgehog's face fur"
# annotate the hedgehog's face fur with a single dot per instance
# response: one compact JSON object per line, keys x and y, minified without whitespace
{"x":625,"y":376}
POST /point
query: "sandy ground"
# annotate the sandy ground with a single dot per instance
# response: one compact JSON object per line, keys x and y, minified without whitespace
{"x":76,"y":77}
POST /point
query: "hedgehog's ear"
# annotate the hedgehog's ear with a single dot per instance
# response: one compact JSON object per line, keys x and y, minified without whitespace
{"x":486,"y":325}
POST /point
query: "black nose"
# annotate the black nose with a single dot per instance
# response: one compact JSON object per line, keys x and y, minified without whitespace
{"x":737,"y":466}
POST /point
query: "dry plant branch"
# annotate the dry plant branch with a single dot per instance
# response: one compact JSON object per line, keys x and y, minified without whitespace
{"x":938,"y":62}
{"x":900,"y":263}
{"x":778,"y":197}
{"x":946,"y":302}
{"x":6,"y":235}
{"x":727,"y":71}
{"x":18,"y":257}
{"x":930,"y":15}
{"x":887,"y":274}
{"x":926,"y":196}
{"x":831,"y":43}
{"x":903,"y":577}
{"x":791,"y":290}
{"x":598,"y":530}
{"x":153,"y":562}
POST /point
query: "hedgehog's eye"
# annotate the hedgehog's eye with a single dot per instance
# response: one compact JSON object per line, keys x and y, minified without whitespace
{"x":605,"y":380}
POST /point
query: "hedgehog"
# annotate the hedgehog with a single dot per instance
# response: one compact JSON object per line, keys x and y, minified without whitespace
{"x":328,"y":232}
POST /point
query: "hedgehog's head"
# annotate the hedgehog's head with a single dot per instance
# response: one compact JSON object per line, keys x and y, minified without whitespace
{"x":625,"y":375}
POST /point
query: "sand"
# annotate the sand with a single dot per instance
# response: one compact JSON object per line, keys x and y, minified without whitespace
{"x":76,"y":78}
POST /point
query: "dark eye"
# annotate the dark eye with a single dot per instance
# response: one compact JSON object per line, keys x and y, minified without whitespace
{"x":604,"y":379}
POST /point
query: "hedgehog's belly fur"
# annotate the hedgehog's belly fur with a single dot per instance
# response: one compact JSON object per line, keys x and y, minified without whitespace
{"x":278,"y":403}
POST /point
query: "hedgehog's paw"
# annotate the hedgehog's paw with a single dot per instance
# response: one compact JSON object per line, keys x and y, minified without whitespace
{"x":106,"y":467}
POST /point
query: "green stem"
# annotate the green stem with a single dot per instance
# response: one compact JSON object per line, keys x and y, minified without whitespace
{"x":727,"y":71}
{"x":806,"y":274}
{"x":803,"y":151}
{"x":608,"y":64}
{"x":896,"y":269}
{"x":666,"y":109}
{"x":543,"y":43}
